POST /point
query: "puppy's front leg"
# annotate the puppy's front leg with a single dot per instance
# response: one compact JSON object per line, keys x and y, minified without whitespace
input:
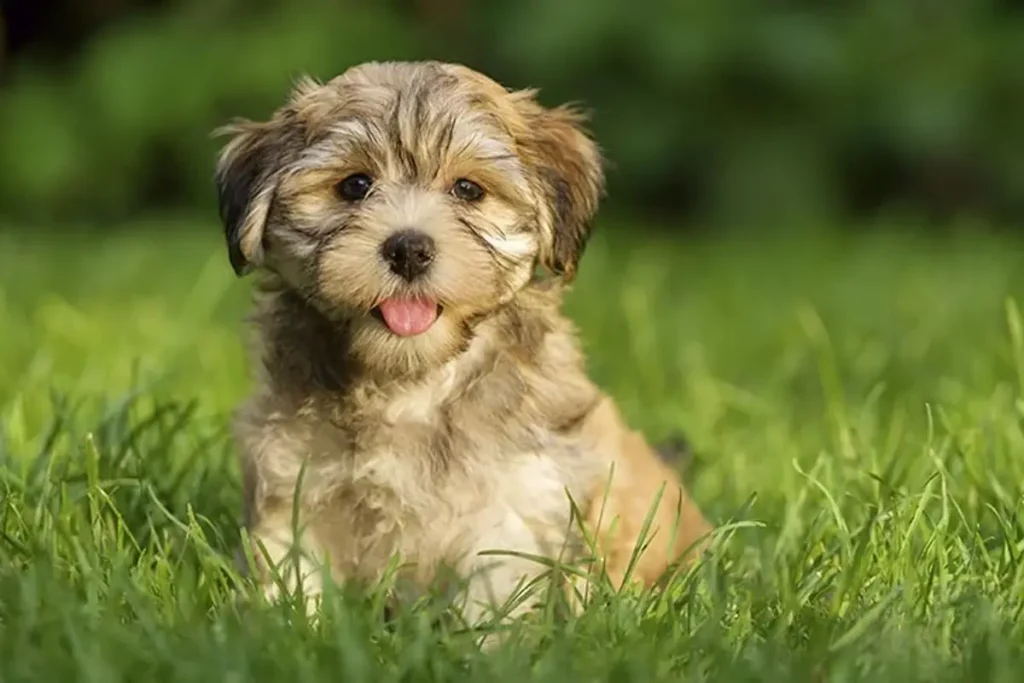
{"x":288,"y":560}
{"x":502,"y":575}
{"x":491,"y":582}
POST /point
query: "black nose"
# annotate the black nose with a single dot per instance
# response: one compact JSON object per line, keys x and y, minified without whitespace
{"x":408,"y":253}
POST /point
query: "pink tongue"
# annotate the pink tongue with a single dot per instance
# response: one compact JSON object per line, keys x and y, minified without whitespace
{"x":406,"y":317}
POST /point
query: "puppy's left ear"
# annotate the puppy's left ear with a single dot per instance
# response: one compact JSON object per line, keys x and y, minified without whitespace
{"x":246,"y":179}
{"x":570,"y":173}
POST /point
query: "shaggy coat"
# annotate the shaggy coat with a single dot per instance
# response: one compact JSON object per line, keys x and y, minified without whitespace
{"x":419,"y":394}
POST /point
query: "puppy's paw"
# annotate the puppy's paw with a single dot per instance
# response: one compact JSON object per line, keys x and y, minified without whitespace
{"x":311,"y":602}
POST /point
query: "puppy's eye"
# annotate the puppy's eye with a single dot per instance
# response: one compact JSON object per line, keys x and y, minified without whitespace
{"x":355,"y":187}
{"x":467,"y":190}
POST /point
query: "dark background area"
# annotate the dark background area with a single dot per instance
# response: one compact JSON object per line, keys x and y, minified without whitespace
{"x":722,"y":112}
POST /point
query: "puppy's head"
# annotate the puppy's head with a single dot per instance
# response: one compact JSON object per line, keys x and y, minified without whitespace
{"x":408,"y":200}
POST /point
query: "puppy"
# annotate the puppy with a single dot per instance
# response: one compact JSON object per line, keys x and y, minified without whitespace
{"x":420,"y":395}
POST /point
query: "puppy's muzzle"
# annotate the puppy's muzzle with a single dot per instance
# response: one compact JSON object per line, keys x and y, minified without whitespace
{"x":409,"y":253}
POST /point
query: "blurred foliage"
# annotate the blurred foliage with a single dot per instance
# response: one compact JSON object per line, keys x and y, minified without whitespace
{"x":729,"y":110}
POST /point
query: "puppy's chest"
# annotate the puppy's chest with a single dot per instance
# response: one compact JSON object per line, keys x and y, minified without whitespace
{"x":429,"y":484}
{"x":426,"y":455}
{"x":436,"y":442}
{"x":440,"y":416}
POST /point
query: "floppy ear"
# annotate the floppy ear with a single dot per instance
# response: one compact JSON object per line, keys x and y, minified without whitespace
{"x":246,"y":179}
{"x":570,"y":175}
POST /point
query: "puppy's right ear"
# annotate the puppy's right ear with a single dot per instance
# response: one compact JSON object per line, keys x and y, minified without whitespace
{"x":246,"y":179}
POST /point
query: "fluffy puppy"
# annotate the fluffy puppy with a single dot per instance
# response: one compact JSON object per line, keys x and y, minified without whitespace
{"x":419,"y":393}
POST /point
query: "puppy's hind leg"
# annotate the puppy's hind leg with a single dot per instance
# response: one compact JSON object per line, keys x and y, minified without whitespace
{"x":642,"y":504}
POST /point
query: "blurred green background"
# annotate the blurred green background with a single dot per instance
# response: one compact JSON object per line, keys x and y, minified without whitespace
{"x":831,"y":314}
{"x":755,"y":115}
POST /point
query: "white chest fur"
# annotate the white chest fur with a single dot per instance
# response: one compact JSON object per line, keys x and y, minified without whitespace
{"x":417,"y":484}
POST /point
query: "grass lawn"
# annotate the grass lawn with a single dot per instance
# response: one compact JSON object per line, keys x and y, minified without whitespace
{"x":855,"y":407}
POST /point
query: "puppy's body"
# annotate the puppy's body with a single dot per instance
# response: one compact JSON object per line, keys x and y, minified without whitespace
{"x":418,"y":386}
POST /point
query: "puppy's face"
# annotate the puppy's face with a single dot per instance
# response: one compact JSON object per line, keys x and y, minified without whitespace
{"x":407,"y":201}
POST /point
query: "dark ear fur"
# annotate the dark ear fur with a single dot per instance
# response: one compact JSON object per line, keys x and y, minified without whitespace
{"x":571,"y":176}
{"x":246,"y":179}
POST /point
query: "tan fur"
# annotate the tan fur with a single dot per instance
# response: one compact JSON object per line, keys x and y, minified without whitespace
{"x":469,"y":436}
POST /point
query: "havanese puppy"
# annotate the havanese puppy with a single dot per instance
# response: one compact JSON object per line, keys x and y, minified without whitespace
{"x":420,"y":396}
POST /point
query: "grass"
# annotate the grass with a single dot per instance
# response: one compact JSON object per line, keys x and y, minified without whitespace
{"x":854,"y":405}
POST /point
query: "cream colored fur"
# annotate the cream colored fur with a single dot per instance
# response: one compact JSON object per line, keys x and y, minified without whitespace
{"x":473,"y":435}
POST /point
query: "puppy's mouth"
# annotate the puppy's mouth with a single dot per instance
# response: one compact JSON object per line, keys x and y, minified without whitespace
{"x":407,"y":317}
